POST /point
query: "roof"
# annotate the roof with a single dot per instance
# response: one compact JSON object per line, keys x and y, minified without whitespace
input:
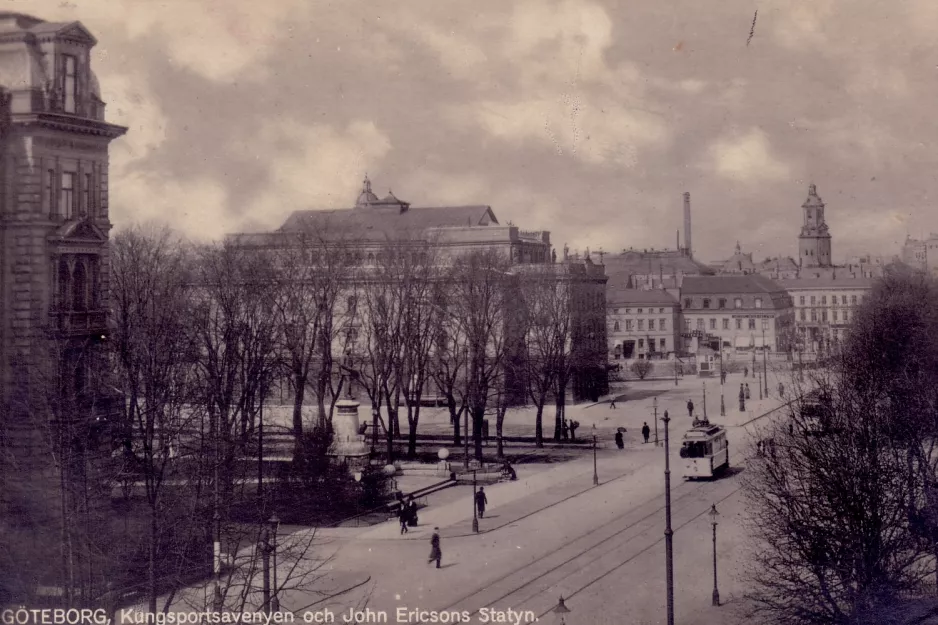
{"x":706,"y":285}
{"x":826,"y":283}
{"x":647,"y":262}
{"x":618,"y":295}
{"x":383,"y":222}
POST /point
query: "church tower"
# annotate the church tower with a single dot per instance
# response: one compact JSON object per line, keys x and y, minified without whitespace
{"x":814,"y":242}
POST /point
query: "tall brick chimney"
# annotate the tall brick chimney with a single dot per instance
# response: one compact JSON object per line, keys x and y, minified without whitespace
{"x":688,"y":249}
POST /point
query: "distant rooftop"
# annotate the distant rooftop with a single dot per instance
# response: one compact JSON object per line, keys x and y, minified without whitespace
{"x":752,"y":283}
{"x":620,"y":295}
{"x":826,"y":282}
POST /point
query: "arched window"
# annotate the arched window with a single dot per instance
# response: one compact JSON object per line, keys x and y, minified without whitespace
{"x":79,"y":287}
{"x":64,"y":293}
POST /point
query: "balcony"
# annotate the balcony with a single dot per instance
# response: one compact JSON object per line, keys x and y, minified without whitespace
{"x":77,"y":322}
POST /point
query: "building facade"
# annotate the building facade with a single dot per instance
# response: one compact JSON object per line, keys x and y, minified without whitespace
{"x":921,"y":254}
{"x":738,"y":313}
{"x":365,"y":232}
{"x":824,"y":310}
{"x":54,"y":225}
{"x":642,"y":324}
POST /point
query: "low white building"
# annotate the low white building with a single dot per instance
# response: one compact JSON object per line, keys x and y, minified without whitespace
{"x":824,"y":309}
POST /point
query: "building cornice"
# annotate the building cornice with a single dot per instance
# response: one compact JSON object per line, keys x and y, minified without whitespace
{"x":69,"y":123}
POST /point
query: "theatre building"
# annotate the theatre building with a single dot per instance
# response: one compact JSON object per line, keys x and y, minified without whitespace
{"x":742,"y":312}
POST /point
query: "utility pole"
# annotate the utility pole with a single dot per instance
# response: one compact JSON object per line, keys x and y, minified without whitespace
{"x":705,"y":402}
{"x":668,"y":532}
{"x":475,"y":510}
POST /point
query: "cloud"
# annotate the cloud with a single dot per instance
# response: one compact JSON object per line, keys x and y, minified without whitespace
{"x":197,"y":207}
{"x":747,"y":158}
{"x":311,"y":166}
{"x":131,"y":103}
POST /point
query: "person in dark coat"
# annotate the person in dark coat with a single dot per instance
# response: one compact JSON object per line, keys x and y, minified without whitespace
{"x":742,"y":399}
{"x":745,"y":372}
{"x":573,"y":426}
{"x":566,"y":430}
{"x":412,"y":512}
{"x":690,"y":408}
{"x":747,"y":391}
{"x":403,"y":516}
{"x":620,"y":443}
{"x":646,"y":431}
{"x":481,"y":501}
{"x":435,"y":552}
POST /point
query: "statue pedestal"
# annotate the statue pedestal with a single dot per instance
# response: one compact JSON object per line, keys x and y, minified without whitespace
{"x":346,"y":441}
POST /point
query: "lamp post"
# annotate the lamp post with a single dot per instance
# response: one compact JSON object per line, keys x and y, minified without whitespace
{"x":705,"y":402}
{"x":264,"y":546}
{"x":595,"y":471}
{"x":722,"y":384}
{"x":275,"y":526}
{"x":675,"y":369}
{"x":759,"y":384}
{"x":765,"y":369}
{"x":668,"y":532}
{"x":654,"y":403}
{"x":561,"y":609}
{"x":713,"y":521}
{"x":475,"y":511}
{"x":217,"y":598}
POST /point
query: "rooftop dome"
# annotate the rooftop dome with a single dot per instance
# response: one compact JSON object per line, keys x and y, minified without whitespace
{"x":366,"y":197}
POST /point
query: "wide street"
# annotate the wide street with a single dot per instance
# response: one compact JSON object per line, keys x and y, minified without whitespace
{"x":553,"y":533}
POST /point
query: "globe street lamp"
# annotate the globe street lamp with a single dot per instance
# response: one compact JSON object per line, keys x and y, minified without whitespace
{"x":668,"y":532}
{"x":713,"y":521}
{"x":595,"y":472}
{"x":561,"y":609}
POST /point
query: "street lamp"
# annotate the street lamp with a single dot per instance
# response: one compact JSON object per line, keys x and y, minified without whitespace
{"x":475,"y":511}
{"x":561,"y":609}
{"x":655,"y":405}
{"x":722,"y":384}
{"x":275,"y":527}
{"x":675,"y":368}
{"x":706,"y":420}
{"x":759,"y":384}
{"x":668,"y":532}
{"x":713,"y":521}
{"x":765,"y":374}
{"x":595,"y":472}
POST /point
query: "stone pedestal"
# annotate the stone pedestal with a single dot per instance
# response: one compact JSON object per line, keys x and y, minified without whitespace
{"x":347,"y":442}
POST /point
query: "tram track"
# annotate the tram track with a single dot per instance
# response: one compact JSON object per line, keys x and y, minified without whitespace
{"x":602,"y":543}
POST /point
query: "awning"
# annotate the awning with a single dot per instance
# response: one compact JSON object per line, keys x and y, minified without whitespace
{"x":759,"y":341}
{"x":742,"y":342}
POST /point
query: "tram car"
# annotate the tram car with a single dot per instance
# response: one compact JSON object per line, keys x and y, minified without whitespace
{"x":705,"y":451}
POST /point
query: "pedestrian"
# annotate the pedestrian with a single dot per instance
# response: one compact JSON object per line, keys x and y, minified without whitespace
{"x":612,"y":403}
{"x":566,"y":430}
{"x":646,"y":431}
{"x":620,"y":443}
{"x":412,"y":512}
{"x":573,"y":426}
{"x":781,"y":390}
{"x":742,"y":398}
{"x":435,"y":552}
{"x":403,"y":516}
{"x":690,"y":408}
{"x":748,"y":396}
{"x":481,"y":501}
{"x":745,"y":372}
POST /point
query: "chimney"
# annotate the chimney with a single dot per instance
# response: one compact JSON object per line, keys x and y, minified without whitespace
{"x":687,"y":237}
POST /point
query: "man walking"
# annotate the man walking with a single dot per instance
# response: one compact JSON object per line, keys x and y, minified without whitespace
{"x":646,"y":431}
{"x":435,"y":552}
{"x":481,"y":501}
{"x":403,"y":516}
{"x":690,"y":408}
{"x":612,"y":403}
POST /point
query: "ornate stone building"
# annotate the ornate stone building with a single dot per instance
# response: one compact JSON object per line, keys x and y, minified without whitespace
{"x":53,"y":241}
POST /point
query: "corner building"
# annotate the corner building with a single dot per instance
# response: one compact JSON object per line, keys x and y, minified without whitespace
{"x":53,"y":253}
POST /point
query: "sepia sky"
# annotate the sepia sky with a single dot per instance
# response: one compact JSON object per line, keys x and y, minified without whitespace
{"x":588,"y":119}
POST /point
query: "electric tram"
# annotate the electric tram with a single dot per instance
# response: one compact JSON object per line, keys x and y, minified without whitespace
{"x":705,"y":451}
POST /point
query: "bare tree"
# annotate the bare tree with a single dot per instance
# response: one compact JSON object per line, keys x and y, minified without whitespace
{"x":154,"y":368}
{"x":314,"y":270}
{"x":483,"y":291}
{"x":449,"y":359}
{"x":546,"y":332}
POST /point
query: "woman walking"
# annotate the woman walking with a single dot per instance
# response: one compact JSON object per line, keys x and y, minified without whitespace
{"x":435,"y":552}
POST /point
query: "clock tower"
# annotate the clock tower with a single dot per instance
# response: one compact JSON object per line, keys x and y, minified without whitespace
{"x":814,"y":242}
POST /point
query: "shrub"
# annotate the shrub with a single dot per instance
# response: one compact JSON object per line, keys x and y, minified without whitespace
{"x":642,"y":368}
